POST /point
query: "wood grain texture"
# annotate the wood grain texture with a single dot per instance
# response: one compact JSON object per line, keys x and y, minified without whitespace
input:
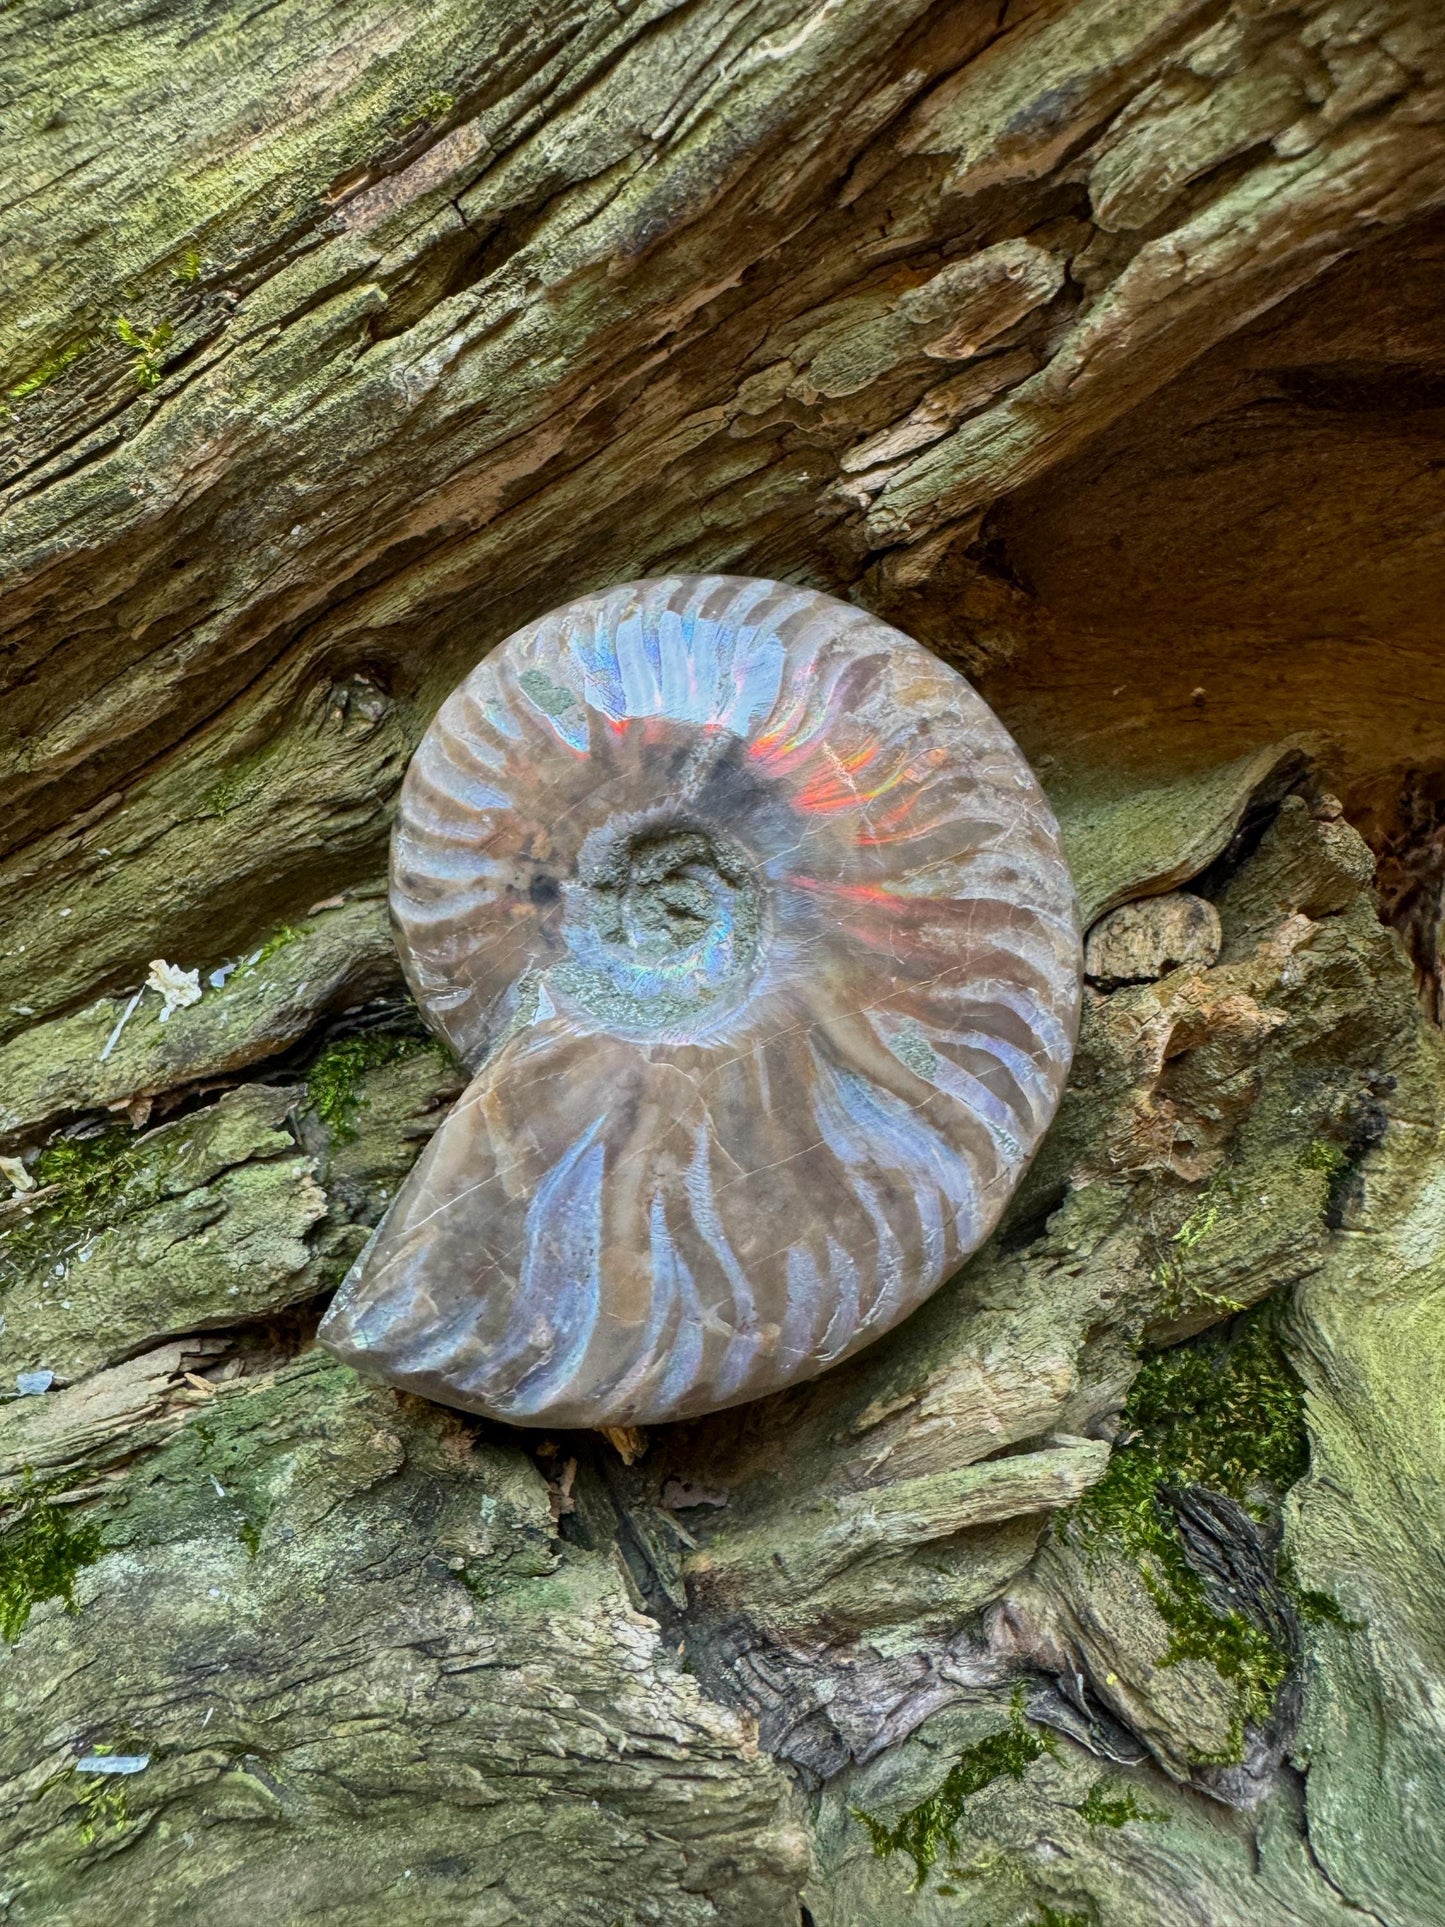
{"x":1098,"y":345}
{"x":441,"y":309}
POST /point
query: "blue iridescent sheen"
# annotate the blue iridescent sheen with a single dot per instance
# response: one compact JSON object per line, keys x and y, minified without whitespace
{"x":753,"y":926}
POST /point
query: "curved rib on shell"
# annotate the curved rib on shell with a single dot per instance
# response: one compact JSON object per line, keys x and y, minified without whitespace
{"x":752,"y":922}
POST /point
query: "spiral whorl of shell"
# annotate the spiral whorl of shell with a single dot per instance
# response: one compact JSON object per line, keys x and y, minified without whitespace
{"x":752,"y":923}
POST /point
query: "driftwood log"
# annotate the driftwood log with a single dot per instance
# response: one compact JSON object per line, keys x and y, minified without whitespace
{"x":1097,"y":343}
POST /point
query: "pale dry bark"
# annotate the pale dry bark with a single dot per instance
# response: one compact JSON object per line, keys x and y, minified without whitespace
{"x":1097,"y":343}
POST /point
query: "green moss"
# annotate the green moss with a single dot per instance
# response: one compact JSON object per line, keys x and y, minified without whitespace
{"x":1341,"y":1172}
{"x":222,"y":796}
{"x":1101,"y":1810}
{"x":41,"y":1552}
{"x":101,"y":1180}
{"x":278,"y":940}
{"x":103,"y":1807}
{"x":1237,"y":1649}
{"x":188,"y":268}
{"x":436,"y":106}
{"x":1177,"y":1292}
{"x":49,"y":369}
{"x":1051,"y":1917}
{"x":333,"y":1091}
{"x":149,"y":349}
{"x":1227,"y":1414}
{"x":234,"y":785}
{"x":1314,"y":1608}
{"x":87,"y":1165}
{"x":1200,"y":1222}
{"x":1320,"y":1608}
{"x":925,"y":1830}
{"x":1321,"y":1155}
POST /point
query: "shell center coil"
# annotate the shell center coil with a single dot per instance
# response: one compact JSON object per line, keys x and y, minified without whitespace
{"x":663,"y":924}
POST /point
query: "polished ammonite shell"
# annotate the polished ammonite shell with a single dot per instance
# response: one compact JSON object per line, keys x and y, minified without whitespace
{"x":752,"y":923}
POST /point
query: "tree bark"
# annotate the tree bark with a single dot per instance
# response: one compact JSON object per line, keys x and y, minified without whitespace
{"x":1097,"y":343}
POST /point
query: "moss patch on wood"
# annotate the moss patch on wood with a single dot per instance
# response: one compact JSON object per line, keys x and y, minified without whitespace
{"x":1226,"y":1414}
{"x":926,"y":1830}
{"x":1100,"y":1808}
{"x":333,"y":1092}
{"x":436,"y":106}
{"x":1177,"y":1293}
{"x":50,"y":369}
{"x":278,"y":940}
{"x":104,"y":1805}
{"x":201,"y":1221}
{"x":101,"y":1179}
{"x":334,"y":1083}
{"x":40,"y":1554}
{"x":148,"y":346}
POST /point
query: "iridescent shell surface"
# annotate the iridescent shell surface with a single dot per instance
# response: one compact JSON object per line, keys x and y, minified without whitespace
{"x":752,"y":923}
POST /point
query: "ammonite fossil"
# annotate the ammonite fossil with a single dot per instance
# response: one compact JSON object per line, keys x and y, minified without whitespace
{"x":752,"y":923}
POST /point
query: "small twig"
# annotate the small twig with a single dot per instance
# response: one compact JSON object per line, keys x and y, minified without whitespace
{"x":124,"y":1019}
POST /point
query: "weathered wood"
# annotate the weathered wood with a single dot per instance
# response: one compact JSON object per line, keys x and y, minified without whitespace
{"x":1096,"y":343}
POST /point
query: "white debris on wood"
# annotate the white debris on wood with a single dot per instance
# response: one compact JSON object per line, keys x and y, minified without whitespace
{"x":32,"y":1384}
{"x":121,"y":1022}
{"x":178,"y":987}
{"x":15,"y":1171}
{"x":113,"y":1763}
